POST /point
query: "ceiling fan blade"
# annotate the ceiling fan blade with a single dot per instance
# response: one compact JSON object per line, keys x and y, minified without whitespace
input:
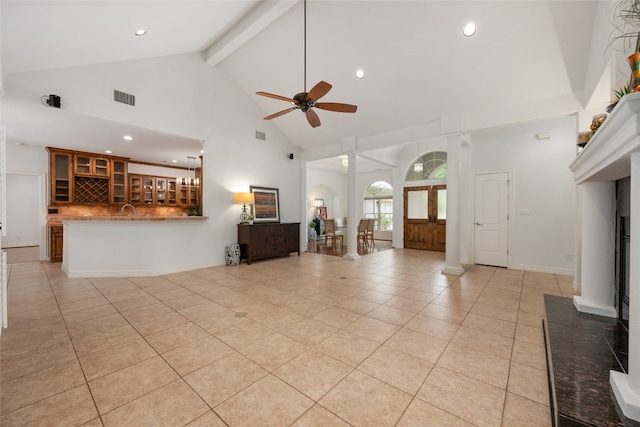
{"x":336,"y":106}
{"x":280,"y":113}
{"x":271,"y":95}
{"x":313,"y":118}
{"x":318,"y":91}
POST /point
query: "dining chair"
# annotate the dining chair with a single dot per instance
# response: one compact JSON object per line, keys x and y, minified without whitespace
{"x":370,"y":239}
{"x":362,"y":232}
{"x":331,"y":232}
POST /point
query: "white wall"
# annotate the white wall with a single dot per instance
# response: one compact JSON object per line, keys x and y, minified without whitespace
{"x":144,"y":169}
{"x":542,"y":184}
{"x":206,"y":104}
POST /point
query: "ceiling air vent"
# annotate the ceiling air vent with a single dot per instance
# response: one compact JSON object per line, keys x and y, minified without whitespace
{"x":123,"y":97}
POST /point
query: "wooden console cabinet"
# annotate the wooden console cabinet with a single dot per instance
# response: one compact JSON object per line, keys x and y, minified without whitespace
{"x":262,"y":241}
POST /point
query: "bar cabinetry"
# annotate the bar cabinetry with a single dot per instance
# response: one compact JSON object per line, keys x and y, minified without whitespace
{"x":55,"y":242}
{"x":61,"y":181}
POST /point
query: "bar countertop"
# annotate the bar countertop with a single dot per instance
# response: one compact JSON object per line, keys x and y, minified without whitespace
{"x":53,"y":220}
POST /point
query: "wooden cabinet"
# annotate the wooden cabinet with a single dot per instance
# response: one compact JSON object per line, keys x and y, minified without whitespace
{"x":86,"y":178}
{"x":135,"y":189}
{"x":172,"y":192}
{"x":91,"y":166}
{"x":188,"y":195}
{"x":55,"y":243}
{"x":148,"y":190}
{"x":262,"y":241}
{"x":118,"y":181}
{"x":161,"y":191}
{"x":152,"y":190}
{"x":60,"y":177}
{"x":141,"y":189}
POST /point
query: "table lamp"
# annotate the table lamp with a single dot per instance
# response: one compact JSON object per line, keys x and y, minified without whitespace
{"x":243,"y":199}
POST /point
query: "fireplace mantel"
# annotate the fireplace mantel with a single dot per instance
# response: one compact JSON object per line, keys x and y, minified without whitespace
{"x":612,"y":153}
{"x":607,"y":156}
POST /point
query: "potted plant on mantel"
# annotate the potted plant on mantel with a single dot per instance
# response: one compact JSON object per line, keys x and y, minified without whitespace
{"x":618,"y":93}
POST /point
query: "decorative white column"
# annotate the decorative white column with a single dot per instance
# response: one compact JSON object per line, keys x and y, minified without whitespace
{"x":452,"y":251}
{"x":626,"y":387}
{"x":352,"y":208}
{"x":398,"y":206}
{"x":577,"y":265}
{"x":598,"y":249}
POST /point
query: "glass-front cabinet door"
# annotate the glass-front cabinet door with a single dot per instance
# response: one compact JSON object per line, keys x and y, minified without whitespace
{"x":82,"y":165}
{"x":100,"y":166}
{"x":135,"y":189}
{"x":91,"y":166}
{"x":147,"y":189}
{"x":119,"y":181}
{"x":161,"y":191}
{"x":172,"y":192}
{"x":62,"y":182}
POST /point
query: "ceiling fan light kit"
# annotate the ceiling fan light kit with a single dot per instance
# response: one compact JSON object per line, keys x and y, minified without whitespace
{"x":305,"y":101}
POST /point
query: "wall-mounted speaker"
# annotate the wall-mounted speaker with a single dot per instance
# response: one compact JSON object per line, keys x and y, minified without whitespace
{"x":53,"y":101}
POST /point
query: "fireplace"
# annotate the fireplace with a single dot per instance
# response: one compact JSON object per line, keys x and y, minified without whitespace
{"x":623,"y":247}
{"x":608,"y":270}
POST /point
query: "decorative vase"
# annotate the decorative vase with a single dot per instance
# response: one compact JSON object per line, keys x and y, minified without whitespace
{"x":634,"y":63}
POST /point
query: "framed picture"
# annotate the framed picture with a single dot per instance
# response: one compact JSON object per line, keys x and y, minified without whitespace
{"x":266,"y":204}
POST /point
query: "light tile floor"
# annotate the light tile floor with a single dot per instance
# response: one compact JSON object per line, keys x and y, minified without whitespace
{"x":304,"y":341}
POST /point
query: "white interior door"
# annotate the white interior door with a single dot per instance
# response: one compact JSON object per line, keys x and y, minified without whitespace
{"x":23,"y":211}
{"x":491,"y":221}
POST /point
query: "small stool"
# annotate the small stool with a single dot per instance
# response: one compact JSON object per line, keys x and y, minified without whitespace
{"x":233,"y":254}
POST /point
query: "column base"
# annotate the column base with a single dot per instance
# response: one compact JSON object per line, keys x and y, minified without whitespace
{"x":628,"y":400}
{"x":351,"y":257}
{"x":586,"y":307}
{"x":458,"y":271}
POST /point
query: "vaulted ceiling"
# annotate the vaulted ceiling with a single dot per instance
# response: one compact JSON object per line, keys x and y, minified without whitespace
{"x":418,"y":65}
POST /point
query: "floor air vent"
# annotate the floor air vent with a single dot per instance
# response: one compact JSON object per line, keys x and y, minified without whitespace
{"x":124,"y":98}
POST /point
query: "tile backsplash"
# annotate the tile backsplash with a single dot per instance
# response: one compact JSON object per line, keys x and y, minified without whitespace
{"x":114,"y":210}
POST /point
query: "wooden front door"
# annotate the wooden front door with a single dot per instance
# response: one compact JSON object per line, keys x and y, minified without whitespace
{"x":425,"y":217}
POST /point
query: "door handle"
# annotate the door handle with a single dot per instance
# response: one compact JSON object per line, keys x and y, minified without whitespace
{"x":477,"y":223}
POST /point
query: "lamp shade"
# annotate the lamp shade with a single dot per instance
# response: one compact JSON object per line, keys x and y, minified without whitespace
{"x":243,"y":198}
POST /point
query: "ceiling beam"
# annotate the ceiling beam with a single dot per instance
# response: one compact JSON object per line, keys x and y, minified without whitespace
{"x":260,"y":17}
{"x":376,"y":160}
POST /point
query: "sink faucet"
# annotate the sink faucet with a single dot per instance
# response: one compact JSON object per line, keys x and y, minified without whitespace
{"x":133,"y":210}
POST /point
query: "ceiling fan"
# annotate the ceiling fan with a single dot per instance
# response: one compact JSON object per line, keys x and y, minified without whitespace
{"x":305,"y":101}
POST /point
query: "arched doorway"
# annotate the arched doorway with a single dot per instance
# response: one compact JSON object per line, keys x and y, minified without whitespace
{"x":425,"y":206}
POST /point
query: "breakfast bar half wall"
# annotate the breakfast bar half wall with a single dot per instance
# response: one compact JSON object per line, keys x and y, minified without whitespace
{"x":130,"y":246}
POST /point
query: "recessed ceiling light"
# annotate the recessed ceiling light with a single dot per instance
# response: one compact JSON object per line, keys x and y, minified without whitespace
{"x":127,"y":138}
{"x":360,"y":74}
{"x":469,"y":29}
{"x":140,"y":32}
{"x":108,"y":151}
{"x":174,"y":161}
